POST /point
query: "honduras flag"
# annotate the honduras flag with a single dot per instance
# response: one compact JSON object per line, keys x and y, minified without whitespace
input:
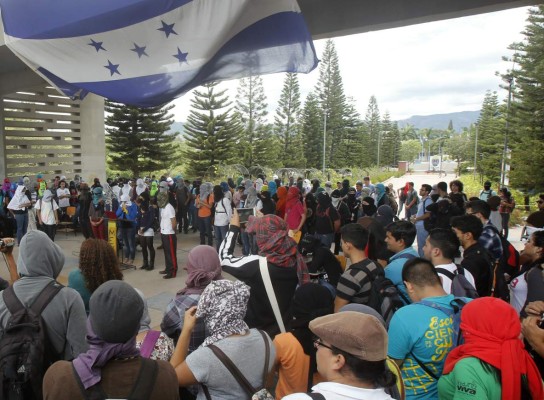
{"x":148,"y":52}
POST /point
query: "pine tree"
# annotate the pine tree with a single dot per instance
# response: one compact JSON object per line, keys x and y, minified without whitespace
{"x":388,"y":141}
{"x":350,"y":149}
{"x":251,"y":105}
{"x":332,"y":101}
{"x":212,"y":130}
{"x":137,"y":139}
{"x":286,"y":123}
{"x":490,"y":138}
{"x":373,"y":131}
{"x":526,"y":116}
{"x":312,"y":132}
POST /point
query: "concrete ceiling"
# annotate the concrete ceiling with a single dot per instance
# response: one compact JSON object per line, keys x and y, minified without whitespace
{"x":330,"y":18}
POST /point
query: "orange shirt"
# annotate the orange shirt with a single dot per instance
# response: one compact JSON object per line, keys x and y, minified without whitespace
{"x":293,"y":366}
{"x":205,"y":211}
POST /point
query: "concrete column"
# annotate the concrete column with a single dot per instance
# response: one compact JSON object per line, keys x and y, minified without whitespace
{"x":93,"y":146}
{"x":2,"y":142}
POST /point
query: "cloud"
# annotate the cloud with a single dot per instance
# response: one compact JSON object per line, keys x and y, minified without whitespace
{"x":437,"y":67}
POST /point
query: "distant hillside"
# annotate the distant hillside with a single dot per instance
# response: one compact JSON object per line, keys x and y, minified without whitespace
{"x":460,"y":120}
{"x":176,"y":127}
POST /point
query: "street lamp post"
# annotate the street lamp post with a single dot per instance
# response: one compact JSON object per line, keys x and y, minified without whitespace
{"x":505,"y":150}
{"x":475,"y":150}
{"x":379,"y":143}
{"x":324,"y":137}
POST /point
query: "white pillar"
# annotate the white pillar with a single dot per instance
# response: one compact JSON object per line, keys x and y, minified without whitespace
{"x":93,"y":146}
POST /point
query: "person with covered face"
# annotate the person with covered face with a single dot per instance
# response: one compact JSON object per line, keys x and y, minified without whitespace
{"x":48,"y":217}
{"x":285,"y":264}
{"x":18,"y":206}
{"x":222,"y":306}
{"x":112,"y":367}
{"x":96,"y":214}
{"x":327,"y":220}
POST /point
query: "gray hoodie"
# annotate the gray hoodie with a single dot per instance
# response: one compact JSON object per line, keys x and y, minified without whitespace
{"x":40,"y":261}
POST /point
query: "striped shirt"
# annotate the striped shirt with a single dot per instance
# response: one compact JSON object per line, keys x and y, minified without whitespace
{"x":354,"y":284}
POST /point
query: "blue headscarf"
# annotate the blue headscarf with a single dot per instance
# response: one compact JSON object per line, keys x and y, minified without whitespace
{"x":224,"y":186}
{"x":380,"y":192}
{"x":272,"y":188}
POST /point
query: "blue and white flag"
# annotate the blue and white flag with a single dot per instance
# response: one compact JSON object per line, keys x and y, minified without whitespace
{"x":148,"y":52}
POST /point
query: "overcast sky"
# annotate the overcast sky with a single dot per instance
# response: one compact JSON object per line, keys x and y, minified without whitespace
{"x":433,"y":68}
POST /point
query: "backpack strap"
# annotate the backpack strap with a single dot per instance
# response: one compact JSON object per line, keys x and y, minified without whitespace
{"x":94,"y":392}
{"x":423,"y":366}
{"x":235,"y":372}
{"x":266,"y":358}
{"x":445,"y":272}
{"x":149,"y":343}
{"x":45,"y":297}
{"x":316,"y":396}
{"x":145,"y":383}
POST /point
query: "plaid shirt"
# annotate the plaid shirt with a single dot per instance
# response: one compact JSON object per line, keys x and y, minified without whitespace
{"x":172,"y":322}
{"x":491,"y":241}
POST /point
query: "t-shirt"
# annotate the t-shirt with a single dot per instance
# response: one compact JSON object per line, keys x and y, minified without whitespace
{"x":76,"y":281}
{"x":518,"y":292}
{"x":167,"y":213}
{"x":65,"y":202}
{"x":428,"y":333}
{"x":446,"y":282}
{"x":412,"y":196}
{"x":479,"y":263}
{"x":354,"y":284}
{"x":469,"y":380}
{"x":223,"y":212}
{"x":486,"y":194}
{"x":339,"y":391}
{"x":294,"y":215}
{"x":204,"y":211}
{"x":393,"y":271}
{"x":47,"y":211}
{"x":324,"y":220}
{"x":294,"y":366}
{"x":118,"y":377}
{"x":211,"y":372}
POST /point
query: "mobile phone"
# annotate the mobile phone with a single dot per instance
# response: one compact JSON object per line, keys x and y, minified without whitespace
{"x":244,"y":213}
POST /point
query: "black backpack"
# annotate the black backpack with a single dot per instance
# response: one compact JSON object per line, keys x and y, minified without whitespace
{"x":460,"y":286}
{"x":25,"y":351}
{"x":384,"y":295}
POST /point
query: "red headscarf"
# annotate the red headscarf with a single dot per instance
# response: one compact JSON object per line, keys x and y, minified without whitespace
{"x":271,"y":233}
{"x":282,"y":198}
{"x":491,"y":329}
{"x":293,"y":195}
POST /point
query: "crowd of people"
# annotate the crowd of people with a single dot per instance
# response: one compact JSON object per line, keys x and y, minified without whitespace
{"x":329,"y":297}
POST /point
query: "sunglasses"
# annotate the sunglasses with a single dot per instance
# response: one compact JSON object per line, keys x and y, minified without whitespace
{"x":318,"y":343}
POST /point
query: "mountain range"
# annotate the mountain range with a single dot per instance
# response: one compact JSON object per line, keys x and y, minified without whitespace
{"x":460,"y":120}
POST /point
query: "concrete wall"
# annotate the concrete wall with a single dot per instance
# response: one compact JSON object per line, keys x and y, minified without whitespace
{"x":45,"y":132}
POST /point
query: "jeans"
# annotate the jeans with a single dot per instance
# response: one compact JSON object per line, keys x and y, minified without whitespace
{"x":22,"y":225}
{"x":326,"y":239}
{"x":50,"y":230}
{"x":183,"y":220}
{"x":205,"y":228}
{"x":505,"y":220}
{"x":147,"y":245}
{"x":129,"y":242}
{"x":220,"y":233}
{"x":421,"y":238}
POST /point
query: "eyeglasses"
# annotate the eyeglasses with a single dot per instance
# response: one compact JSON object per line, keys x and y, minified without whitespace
{"x":318,"y":343}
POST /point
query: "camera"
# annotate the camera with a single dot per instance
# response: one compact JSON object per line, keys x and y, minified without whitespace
{"x":4,"y":244}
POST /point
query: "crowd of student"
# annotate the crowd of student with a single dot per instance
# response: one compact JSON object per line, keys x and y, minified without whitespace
{"x":381,"y":320}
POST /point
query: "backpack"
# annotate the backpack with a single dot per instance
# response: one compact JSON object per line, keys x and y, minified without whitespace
{"x":508,"y":263}
{"x":460,"y":286}
{"x":142,"y":389}
{"x":487,"y":192}
{"x":25,"y":351}
{"x":393,"y":203}
{"x":384,"y":296}
{"x":455,"y":314}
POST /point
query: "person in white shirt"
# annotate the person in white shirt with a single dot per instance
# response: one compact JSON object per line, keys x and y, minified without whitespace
{"x":48,"y":217}
{"x":63,"y":194}
{"x":351,"y":357}
{"x":223,"y":213}
{"x":441,"y":248}
{"x":168,"y":235}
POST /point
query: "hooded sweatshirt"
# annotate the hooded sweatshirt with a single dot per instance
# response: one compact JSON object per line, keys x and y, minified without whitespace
{"x":40,"y":261}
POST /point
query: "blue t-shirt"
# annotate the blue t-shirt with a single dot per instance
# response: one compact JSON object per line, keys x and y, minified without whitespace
{"x":393,"y":271}
{"x":428,"y":333}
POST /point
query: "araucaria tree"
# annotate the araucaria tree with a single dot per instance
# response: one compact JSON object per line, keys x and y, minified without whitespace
{"x":312,"y":130}
{"x":526,"y":130}
{"x":286,"y":124}
{"x":372,"y":133}
{"x":490,"y":138}
{"x":332,"y":101}
{"x":137,"y":138}
{"x":212,"y":130}
{"x":257,"y":144}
